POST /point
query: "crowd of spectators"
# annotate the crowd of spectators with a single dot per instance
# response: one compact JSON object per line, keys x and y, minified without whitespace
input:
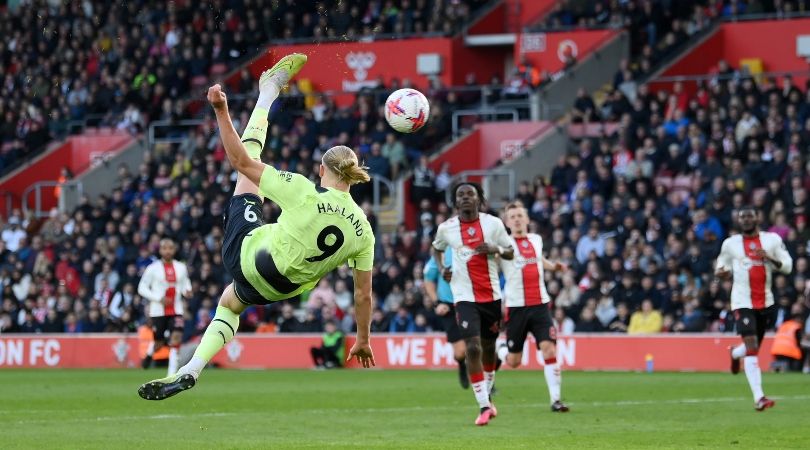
{"x":658,"y":28}
{"x":638,"y":216}
{"x":123,"y":64}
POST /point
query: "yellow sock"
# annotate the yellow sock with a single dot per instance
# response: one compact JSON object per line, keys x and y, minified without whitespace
{"x":255,"y":132}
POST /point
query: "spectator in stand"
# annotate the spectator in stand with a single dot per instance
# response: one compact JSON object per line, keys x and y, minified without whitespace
{"x":645,"y":321}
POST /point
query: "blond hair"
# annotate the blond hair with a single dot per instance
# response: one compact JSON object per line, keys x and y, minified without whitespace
{"x":342,"y":161}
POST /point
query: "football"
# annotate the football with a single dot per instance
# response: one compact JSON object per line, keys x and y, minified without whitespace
{"x":407,"y":110}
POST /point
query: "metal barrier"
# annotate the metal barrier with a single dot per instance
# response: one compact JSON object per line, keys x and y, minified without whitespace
{"x":70,"y":193}
{"x":488,"y":113}
{"x":378,"y":196}
{"x":171,"y":138}
{"x":488,"y":182}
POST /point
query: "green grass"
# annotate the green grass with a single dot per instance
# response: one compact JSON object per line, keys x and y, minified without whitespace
{"x":406,"y":409}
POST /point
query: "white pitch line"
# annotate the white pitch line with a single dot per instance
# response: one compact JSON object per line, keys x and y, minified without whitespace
{"x":682,"y":401}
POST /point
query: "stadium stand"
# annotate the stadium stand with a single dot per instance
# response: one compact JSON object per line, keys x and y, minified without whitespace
{"x":637,"y":214}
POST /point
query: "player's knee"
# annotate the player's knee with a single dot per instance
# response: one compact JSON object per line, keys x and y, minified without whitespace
{"x":513,"y":360}
{"x":474,"y":350}
{"x":548,"y":349}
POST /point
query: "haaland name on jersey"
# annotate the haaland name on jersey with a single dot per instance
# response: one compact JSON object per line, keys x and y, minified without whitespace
{"x":328,"y":208}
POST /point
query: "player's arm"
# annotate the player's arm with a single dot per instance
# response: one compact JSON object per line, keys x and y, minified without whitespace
{"x":362,"y":263}
{"x":724,"y":262}
{"x":781,"y":260}
{"x":554,"y":266}
{"x":186,"y":283}
{"x":431,"y":278}
{"x":437,"y":249}
{"x":237,"y":155}
{"x":502,"y":246}
{"x":145,"y":286}
{"x":362,"y":312}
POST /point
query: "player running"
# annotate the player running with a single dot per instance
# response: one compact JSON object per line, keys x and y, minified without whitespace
{"x":750,"y":258}
{"x":320,"y":228}
{"x":475,"y":238}
{"x":527,"y":302}
{"x":439,"y":292}
{"x":163,"y":284}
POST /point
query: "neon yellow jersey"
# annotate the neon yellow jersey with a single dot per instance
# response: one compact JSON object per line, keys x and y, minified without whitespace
{"x":318,"y":230}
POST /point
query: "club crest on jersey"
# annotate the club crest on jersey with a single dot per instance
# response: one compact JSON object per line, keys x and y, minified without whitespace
{"x":471,"y":231}
{"x":525,"y":244}
{"x":752,"y":246}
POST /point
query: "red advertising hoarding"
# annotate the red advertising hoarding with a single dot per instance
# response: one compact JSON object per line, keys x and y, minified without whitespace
{"x":549,"y":51}
{"x":687,"y":352}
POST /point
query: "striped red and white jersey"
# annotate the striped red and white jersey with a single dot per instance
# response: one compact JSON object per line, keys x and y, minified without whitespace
{"x":161,"y":280}
{"x":475,"y":276}
{"x":753,"y":275}
{"x":524,"y":274}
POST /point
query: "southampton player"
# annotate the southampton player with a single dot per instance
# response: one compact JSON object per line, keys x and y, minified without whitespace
{"x":163,"y":284}
{"x":750,"y":259}
{"x":475,"y":239}
{"x":527,"y":302}
{"x":320,"y":228}
{"x":439,"y":292}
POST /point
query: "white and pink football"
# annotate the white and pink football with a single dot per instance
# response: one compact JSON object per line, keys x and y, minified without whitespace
{"x":407,"y":110}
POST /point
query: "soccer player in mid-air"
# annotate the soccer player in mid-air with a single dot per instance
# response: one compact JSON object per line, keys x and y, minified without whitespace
{"x":320,"y":228}
{"x":163,"y":284}
{"x":475,"y":239}
{"x":750,"y":259}
{"x":527,"y":301}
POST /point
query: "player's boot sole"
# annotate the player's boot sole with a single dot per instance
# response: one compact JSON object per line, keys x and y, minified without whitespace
{"x":292,"y":64}
{"x":161,"y":390}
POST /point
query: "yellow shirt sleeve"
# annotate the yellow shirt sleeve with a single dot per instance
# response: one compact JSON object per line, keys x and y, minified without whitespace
{"x":284,"y":188}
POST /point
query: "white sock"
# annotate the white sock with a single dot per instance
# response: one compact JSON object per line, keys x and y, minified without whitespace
{"x":151,"y":349}
{"x":194,"y":367}
{"x":173,"y":360}
{"x":267,"y":95}
{"x":481,"y":390}
{"x":502,"y":352}
{"x":754,"y":376}
{"x":553,"y":379}
{"x":490,"y":379}
{"x":738,"y":351}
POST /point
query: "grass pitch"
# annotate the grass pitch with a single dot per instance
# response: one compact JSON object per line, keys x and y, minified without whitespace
{"x":398,"y":409}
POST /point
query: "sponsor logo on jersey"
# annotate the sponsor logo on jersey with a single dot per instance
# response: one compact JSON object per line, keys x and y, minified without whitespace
{"x":465,"y":253}
{"x":521,"y":262}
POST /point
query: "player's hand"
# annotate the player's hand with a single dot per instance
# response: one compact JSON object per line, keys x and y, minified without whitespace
{"x":442,"y":309}
{"x":761,"y":253}
{"x":723,"y":274}
{"x":447,"y":274}
{"x":487,"y":249}
{"x":560,"y":267}
{"x":362,"y":351}
{"x":216,"y":97}
{"x":188,"y":294}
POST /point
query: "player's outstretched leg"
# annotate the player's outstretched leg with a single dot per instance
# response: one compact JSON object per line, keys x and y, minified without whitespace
{"x":220,"y":331}
{"x":271,"y":82}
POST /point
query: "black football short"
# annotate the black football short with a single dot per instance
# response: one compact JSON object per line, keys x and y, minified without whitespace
{"x":163,"y":326}
{"x":751,"y":322}
{"x":451,"y":326}
{"x":479,"y":319}
{"x":524,"y":319}
{"x":244,"y":214}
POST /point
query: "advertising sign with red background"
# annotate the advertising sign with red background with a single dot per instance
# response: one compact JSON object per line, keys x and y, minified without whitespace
{"x":548,"y":51}
{"x":698,"y":352}
{"x":351,"y":66}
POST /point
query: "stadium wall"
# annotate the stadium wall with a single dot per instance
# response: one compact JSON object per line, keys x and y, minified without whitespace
{"x":667,"y":352}
{"x":771,"y":41}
